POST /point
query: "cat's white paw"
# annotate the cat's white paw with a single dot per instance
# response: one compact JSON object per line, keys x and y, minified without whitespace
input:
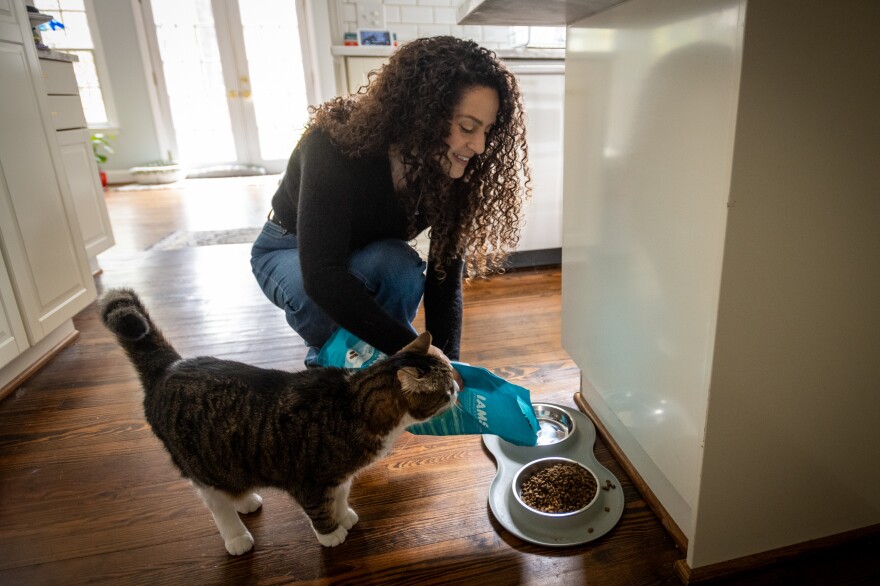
{"x":249,"y":503}
{"x":241,"y":544}
{"x":338,"y":536}
{"x":333,"y":539}
{"x":349,"y":519}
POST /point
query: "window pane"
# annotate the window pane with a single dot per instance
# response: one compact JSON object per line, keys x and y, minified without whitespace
{"x":93,"y":105}
{"x":47,"y":6}
{"x":72,"y":5}
{"x":76,"y":30}
{"x":89,"y":88}
{"x":194,"y":81}
{"x":280,"y":102}
{"x":76,"y":38}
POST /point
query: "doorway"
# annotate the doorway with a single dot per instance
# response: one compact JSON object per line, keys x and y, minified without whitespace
{"x":232,"y":80}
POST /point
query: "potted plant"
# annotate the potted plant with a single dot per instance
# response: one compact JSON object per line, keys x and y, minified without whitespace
{"x":101,"y":148}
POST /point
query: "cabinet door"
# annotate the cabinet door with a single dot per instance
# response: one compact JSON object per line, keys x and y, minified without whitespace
{"x":86,"y":191}
{"x":13,"y":340}
{"x":67,"y":112}
{"x":9,"y":28}
{"x":39,"y":235}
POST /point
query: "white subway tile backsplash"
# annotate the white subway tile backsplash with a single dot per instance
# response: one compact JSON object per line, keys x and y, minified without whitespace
{"x":392,"y":13}
{"x":497,"y":34}
{"x":433,"y":30}
{"x":349,"y":12}
{"x":411,"y":19}
{"x":471,"y":31}
{"x":406,"y":32}
{"x":444,"y":16}
{"x":417,"y":14}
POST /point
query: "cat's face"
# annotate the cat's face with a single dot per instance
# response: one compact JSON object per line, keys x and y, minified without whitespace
{"x":425,"y":381}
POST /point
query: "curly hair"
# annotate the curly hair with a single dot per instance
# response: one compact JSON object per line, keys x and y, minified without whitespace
{"x":408,"y":105}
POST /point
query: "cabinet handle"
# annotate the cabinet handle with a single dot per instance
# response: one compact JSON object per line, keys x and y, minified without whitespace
{"x":232,"y":94}
{"x":246,"y":94}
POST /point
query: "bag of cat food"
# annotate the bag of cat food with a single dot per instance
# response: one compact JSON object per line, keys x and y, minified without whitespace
{"x":486,"y":404}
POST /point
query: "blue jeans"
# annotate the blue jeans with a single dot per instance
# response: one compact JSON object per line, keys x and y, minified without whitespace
{"x":390,"y":270}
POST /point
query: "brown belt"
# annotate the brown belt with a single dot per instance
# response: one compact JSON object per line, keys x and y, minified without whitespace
{"x":274,"y":219}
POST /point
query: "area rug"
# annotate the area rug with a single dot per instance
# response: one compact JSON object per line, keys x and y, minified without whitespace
{"x":184,"y":239}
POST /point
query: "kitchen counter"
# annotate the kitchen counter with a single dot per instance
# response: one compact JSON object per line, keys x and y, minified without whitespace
{"x":56,"y":55}
{"x":529,"y":12}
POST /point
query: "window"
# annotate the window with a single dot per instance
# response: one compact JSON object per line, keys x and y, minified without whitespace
{"x":76,"y":38}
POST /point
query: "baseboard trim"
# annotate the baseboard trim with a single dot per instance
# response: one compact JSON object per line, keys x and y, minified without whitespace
{"x":757,"y":561}
{"x":39,"y":363}
{"x":671,"y":527}
{"x":534,"y":258}
{"x":705,"y":574}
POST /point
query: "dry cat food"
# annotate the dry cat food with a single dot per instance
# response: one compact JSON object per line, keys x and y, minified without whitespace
{"x":560,"y":488}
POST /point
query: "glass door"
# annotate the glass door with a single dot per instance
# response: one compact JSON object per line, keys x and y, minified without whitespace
{"x":232,"y":79}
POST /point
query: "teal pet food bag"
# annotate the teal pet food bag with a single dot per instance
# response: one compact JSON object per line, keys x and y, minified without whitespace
{"x":486,"y":404}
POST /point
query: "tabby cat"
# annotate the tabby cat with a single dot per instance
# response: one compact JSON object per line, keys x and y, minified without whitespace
{"x":232,"y":428}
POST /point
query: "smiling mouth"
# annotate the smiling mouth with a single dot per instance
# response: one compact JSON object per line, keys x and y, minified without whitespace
{"x":461,"y":160}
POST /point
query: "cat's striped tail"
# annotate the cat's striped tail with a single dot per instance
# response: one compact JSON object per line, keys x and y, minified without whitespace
{"x":124,"y":314}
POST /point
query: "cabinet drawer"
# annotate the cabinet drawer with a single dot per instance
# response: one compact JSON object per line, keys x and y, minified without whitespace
{"x":59,"y":77}
{"x":67,"y":112}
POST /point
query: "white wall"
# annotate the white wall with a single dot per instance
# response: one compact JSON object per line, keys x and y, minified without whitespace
{"x":137,"y":139}
{"x":720,"y":262}
{"x":793,"y":426}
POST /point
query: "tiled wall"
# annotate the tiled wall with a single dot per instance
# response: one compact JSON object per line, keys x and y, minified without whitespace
{"x":411,"y":19}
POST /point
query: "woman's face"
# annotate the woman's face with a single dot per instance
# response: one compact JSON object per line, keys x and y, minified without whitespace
{"x":472,"y":119}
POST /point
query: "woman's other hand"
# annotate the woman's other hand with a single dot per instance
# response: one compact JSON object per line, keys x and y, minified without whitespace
{"x":435,"y":351}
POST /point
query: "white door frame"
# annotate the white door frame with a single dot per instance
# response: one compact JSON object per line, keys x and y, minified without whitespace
{"x":315,"y":41}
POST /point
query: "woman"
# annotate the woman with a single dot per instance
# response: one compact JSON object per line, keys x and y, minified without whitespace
{"x":435,"y":140}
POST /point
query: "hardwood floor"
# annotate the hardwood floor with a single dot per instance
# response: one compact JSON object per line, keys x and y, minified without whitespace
{"x":89,"y":495}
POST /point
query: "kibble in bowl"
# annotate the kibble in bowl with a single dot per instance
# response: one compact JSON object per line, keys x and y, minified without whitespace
{"x":554,"y":492}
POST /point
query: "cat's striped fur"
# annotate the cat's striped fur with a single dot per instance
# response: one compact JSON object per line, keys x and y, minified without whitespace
{"x":232,"y":428}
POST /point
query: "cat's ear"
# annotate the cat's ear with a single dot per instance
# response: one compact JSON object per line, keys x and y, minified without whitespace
{"x":420,"y":344}
{"x":409,"y":378}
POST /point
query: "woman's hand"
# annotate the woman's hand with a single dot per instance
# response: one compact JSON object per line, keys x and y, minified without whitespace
{"x":435,"y":351}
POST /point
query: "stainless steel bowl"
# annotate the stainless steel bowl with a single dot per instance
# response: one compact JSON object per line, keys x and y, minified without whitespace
{"x":555,"y":424}
{"x":539,"y":519}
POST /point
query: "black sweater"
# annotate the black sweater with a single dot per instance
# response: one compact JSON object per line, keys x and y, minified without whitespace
{"x":336,"y":204}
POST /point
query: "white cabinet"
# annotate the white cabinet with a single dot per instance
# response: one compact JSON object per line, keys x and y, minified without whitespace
{"x":86,"y":190}
{"x":45,"y":279}
{"x":13,"y":340}
{"x":77,"y":157}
